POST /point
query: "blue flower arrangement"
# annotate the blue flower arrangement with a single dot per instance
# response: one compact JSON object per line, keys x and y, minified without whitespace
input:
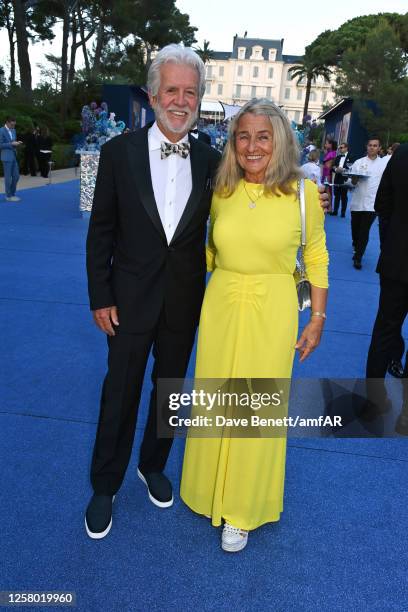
{"x":98,"y":126}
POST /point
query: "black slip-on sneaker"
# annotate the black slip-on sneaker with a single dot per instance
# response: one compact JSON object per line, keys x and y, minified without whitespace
{"x":98,"y":517}
{"x":158,"y":487}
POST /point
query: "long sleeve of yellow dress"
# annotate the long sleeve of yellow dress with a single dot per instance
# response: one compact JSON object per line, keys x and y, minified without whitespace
{"x":315,"y":256}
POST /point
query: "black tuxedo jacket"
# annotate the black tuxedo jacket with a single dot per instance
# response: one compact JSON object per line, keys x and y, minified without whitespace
{"x":204,"y":137}
{"x":339,"y":178}
{"x":129,"y":263}
{"x":391,"y":204}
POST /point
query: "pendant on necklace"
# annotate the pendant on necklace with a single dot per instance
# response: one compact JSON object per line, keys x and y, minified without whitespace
{"x":252,"y":205}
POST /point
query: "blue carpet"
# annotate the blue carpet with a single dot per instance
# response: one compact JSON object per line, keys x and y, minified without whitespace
{"x":342,"y":542}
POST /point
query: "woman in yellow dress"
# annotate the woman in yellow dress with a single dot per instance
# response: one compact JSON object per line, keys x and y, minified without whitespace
{"x":249,"y":319}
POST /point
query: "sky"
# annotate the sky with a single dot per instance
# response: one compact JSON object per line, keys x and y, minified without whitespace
{"x":297,"y":22}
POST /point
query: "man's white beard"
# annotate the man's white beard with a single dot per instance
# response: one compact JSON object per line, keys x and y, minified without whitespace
{"x":182,"y":130}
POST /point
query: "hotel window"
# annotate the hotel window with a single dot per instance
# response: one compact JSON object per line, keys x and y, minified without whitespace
{"x":297,"y":116}
{"x":221,"y":73}
{"x":299,"y":94}
{"x":255,"y":72}
{"x":324,"y":96}
{"x":253,"y":91}
{"x":269,"y":92}
{"x":209,"y":71}
{"x":219,"y":89}
{"x":288,"y":76}
{"x":270,"y":73}
{"x":272,"y":55}
{"x":240,"y":70}
{"x":313,"y":96}
{"x":237,"y":91}
{"x":208,"y":88}
{"x":241,"y":53}
{"x":287,"y":93}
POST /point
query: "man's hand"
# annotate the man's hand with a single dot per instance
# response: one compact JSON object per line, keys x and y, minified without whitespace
{"x":104,"y":317}
{"x":324,"y":199}
{"x":310,"y":338}
{"x":16,"y":143}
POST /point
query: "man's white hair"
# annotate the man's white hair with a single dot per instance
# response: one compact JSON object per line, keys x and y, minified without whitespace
{"x":178,"y":55}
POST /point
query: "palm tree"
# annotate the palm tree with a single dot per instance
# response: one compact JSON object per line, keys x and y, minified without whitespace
{"x":205,"y":52}
{"x":206,"y":55}
{"x":309,"y":70}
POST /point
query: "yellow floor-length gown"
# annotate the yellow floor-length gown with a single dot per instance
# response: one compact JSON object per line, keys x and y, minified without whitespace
{"x":248,"y":329}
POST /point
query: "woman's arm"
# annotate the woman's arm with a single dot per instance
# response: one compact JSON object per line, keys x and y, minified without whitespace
{"x":312,"y":333}
{"x":316,"y":263}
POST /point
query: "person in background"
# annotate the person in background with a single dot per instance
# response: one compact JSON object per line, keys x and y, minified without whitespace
{"x":330,"y":148}
{"x":395,"y":367}
{"x":341,"y":163}
{"x":200,"y":135}
{"x":45,"y":149}
{"x":362,"y":203}
{"x":391,"y":202}
{"x":311,"y":169}
{"x":30,"y":140}
{"x":8,"y":150}
{"x":390,"y":150}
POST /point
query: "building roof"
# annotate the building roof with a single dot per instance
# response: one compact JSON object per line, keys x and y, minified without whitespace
{"x":266,"y":44}
{"x":292,"y":59}
{"x":333,"y":108}
{"x":221,"y":55}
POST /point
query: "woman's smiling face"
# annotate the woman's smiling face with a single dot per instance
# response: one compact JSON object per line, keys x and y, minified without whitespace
{"x":254,"y":145}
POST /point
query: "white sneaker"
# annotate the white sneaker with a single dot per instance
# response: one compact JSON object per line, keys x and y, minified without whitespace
{"x":13,"y":199}
{"x":233,"y":539}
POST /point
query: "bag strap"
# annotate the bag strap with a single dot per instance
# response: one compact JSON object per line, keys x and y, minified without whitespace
{"x":302,"y":205}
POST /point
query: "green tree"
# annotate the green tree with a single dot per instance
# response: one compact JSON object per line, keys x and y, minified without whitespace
{"x":376,"y":72}
{"x":7,"y":21}
{"x":160,"y":23}
{"x":329,"y":47}
{"x":309,"y":71}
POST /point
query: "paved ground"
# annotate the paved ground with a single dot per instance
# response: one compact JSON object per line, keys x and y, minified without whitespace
{"x":57,"y":176}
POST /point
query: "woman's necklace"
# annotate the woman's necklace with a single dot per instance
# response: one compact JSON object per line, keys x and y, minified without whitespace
{"x":253,"y":201}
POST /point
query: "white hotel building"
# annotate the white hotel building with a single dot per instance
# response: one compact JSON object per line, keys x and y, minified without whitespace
{"x":257,"y":68}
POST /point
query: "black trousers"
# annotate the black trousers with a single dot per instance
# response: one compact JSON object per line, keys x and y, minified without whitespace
{"x":44,"y":158}
{"x":29,"y":166}
{"x":361,"y":222}
{"x":386,"y":336}
{"x":127,"y":359}
{"x":340,"y":193}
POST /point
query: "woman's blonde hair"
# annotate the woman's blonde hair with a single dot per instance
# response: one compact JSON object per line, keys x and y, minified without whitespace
{"x":283,"y":167}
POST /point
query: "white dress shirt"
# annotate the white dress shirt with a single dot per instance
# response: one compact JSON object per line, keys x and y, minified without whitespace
{"x":171,"y":180}
{"x":342,"y":160}
{"x":366,"y":189}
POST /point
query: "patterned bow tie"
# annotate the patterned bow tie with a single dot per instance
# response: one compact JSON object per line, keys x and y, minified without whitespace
{"x":167,"y":148}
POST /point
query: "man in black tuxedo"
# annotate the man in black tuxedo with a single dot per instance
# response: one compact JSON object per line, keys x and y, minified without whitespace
{"x":341,"y":163}
{"x":391,"y":204}
{"x":200,"y":135}
{"x":146,"y":271}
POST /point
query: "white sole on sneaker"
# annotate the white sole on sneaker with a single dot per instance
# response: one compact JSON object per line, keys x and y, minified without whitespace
{"x":155,"y":501}
{"x":101,"y":534}
{"x":234,"y":547}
